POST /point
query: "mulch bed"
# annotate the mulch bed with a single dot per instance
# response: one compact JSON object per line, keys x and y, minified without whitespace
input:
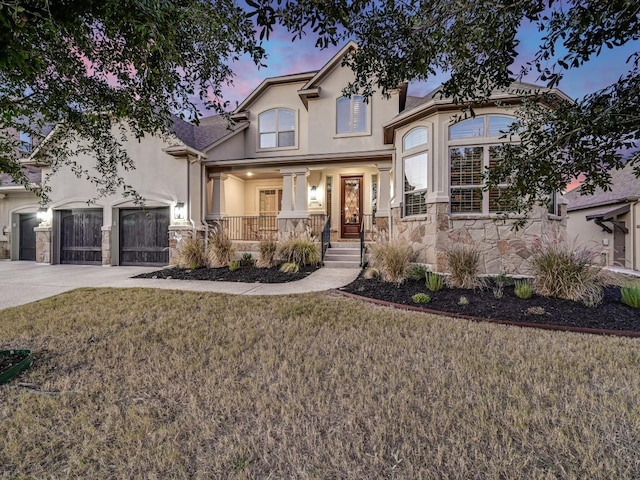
{"x":611,"y":314}
{"x":244,"y":274}
{"x":9,"y":360}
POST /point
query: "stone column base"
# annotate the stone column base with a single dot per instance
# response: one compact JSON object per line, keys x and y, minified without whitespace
{"x":43,"y":244}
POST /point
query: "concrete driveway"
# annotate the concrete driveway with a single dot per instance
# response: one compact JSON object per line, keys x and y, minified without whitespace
{"x":25,"y":282}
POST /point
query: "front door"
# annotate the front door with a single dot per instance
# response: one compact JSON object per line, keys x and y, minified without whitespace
{"x":351,"y":213}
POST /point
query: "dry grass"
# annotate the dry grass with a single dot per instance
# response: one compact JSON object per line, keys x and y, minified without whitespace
{"x":392,"y":259}
{"x":161,"y":384}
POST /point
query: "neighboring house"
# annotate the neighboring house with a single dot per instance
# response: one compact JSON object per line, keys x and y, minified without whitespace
{"x":609,"y":222}
{"x":301,"y":156}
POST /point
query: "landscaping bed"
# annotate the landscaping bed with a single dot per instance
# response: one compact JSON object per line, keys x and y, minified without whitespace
{"x":611,"y":314}
{"x":224,"y":274}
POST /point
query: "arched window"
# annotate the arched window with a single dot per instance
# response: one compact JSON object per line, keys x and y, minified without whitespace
{"x":474,"y":147}
{"x":414,"y":167}
{"x":277,"y":128}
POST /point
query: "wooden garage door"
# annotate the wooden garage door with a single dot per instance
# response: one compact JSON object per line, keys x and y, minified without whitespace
{"x":81,"y":236}
{"x":144,"y":236}
{"x":27,"y":236}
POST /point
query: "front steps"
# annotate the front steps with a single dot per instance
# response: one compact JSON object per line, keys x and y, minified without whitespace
{"x":343,"y":255}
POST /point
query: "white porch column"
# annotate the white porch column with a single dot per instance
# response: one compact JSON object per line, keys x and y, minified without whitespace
{"x":287,"y":194}
{"x":218,"y":204}
{"x":301,"y":207}
{"x":384,"y":190}
{"x":294,"y":207}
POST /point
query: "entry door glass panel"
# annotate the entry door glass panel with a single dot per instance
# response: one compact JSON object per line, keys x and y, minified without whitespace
{"x":351,"y":206}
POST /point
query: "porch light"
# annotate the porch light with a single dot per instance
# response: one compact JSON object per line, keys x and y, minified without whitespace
{"x":179,"y":211}
{"x":43,"y":215}
{"x":314,"y":195}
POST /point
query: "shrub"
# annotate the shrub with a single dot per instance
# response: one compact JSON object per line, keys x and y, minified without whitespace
{"x":464,"y":265}
{"x":498,"y":291}
{"x":392,"y":260}
{"x":434,"y":281}
{"x":370,"y":273}
{"x":463,"y":300}
{"x":567,"y":272}
{"x":421,"y":298}
{"x":191,"y":253}
{"x":416,"y":271}
{"x":267,"y":253}
{"x":300,"y":251}
{"x":631,"y":295}
{"x":289,"y":267}
{"x":246,"y":260}
{"x":523,"y":289}
{"x":221,"y":249}
{"x":234,"y":265}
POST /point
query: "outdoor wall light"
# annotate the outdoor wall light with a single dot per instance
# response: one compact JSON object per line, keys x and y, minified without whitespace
{"x":43,"y":215}
{"x":314,"y":194}
{"x":179,"y":211}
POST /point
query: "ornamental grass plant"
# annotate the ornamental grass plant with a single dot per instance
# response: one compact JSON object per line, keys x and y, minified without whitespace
{"x":567,"y":271}
{"x":392,"y":260}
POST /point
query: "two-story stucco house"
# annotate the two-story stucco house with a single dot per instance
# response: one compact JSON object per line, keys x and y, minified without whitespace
{"x":301,"y":157}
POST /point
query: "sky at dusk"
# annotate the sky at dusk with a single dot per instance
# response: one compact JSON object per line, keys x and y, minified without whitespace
{"x":286,"y":57}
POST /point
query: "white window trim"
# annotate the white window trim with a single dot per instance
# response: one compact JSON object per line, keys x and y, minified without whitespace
{"x":295,"y":131}
{"x":365,"y":132}
{"x":470,"y":142}
{"x":412,"y":152}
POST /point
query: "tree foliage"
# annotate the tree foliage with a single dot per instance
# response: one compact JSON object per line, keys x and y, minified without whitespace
{"x":89,"y":66}
{"x":476,"y":43}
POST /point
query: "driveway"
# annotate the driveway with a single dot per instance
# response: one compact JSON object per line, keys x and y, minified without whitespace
{"x":25,"y":282}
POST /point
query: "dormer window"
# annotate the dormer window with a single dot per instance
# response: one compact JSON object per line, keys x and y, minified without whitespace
{"x":351,"y":115}
{"x":277,"y":128}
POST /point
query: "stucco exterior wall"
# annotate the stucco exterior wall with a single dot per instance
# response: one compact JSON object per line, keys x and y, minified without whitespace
{"x":588,"y":234}
{"x":234,"y":193}
{"x":13,"y":204}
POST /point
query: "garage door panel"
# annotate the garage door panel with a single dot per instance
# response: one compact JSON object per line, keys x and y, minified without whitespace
{"x":81,"y":237}
{"x":144,"y":237}
{"x":28,"y":236}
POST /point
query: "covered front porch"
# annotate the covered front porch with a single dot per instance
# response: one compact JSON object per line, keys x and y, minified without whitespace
{"x":350,"y":201}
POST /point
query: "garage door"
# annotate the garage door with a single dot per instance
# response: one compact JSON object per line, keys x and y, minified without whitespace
{"x":81,"y":236}
{"x":144,"y":236}
{"x":27,"y":236}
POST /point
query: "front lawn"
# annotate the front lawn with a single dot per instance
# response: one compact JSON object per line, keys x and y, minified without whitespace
{"x":142,"y":383}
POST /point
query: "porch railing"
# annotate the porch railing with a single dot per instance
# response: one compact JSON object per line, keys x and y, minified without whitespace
{"x":326,"y":237}
{"x":366,"y":234}
{"x":263,"y":226}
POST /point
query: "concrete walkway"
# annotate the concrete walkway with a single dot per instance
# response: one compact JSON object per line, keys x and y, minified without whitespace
{"x":24,"y":282}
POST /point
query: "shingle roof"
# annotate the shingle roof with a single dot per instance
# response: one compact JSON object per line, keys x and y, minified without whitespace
{"x":33,"y":173}
{"x":210,"y":130}
{"x":624,"y":186}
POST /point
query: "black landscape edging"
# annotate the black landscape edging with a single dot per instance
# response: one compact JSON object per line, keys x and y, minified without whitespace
{"x":543,"y":326}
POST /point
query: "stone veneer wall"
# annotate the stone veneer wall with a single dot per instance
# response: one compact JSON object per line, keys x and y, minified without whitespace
{"x":176,"y":234}
{"x":43,"y":244}
{"x":106,"y":246}
{"x":502,"y":249}
{"x":5,"y":246}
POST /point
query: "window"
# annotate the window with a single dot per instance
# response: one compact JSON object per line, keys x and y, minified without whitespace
{"x":469,"y":163}
{"x":351,"y":115}
{"x":277,"y":128}
{"x":26,"y":142}
{"x":414,"y":166}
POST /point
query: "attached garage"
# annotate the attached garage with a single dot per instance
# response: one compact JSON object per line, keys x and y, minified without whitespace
{"x":27,"y":250}
{"x":81,"y":236}
{"x":144,"y":236}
